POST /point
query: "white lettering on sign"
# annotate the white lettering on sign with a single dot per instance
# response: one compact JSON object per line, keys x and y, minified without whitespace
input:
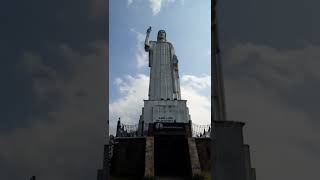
{"x":164,"y":113}
{"x":164,"y":120}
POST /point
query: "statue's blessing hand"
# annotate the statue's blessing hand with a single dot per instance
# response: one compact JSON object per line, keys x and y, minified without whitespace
{"x":149,"y":29}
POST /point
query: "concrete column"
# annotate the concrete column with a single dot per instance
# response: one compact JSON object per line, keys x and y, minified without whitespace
{"x":149,"y":157}
{"x":228,"y":155}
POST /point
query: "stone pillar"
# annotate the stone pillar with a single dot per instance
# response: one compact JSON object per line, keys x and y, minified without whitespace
{"x":228,"y":154}
{"x":150,"y":131}
{"x":149,"y":157}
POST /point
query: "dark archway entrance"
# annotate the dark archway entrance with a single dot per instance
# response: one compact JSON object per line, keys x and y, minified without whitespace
{"x":171,"y":154}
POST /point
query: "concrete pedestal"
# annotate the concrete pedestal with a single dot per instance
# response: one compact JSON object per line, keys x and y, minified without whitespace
{"x":164,"y":111}
{"x":231,"y":157}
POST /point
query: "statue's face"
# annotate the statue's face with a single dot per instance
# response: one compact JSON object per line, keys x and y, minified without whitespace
{"x":161,"y":35}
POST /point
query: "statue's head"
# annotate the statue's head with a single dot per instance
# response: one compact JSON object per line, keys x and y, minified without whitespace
{"x":161,"y":35}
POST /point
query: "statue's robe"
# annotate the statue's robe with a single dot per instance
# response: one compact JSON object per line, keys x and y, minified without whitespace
{"x":164,"y":78}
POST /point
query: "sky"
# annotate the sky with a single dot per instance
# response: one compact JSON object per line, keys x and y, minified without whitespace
{"x":54,"y":79}
{"x":187,"y":24}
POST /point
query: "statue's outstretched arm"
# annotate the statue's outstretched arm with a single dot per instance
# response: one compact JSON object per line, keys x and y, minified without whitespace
{"x":146,"y":42}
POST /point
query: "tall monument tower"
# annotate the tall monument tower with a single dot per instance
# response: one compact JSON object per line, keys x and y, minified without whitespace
{"x":164,"y":102}
{"x":230,"y":155}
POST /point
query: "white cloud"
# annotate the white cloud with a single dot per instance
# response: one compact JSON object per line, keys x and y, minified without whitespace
{"x":156,"y":5}
{"x":198,"y":103}
{"x":141,"y":55}
{"x":134,"y":89}
{"x":195,"y":82}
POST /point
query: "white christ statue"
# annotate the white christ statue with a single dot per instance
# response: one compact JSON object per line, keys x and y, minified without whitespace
{"x":163,"y":63}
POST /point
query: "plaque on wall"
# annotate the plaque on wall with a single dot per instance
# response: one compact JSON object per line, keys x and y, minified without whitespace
{"x":164,"y":113}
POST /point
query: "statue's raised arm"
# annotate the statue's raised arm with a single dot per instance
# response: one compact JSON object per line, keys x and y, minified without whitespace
{"x":146,"y":42}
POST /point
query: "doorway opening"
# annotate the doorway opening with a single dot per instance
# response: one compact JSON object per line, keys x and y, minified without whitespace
{"x":171,"y":156}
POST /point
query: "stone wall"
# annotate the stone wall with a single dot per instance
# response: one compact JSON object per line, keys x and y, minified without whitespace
{"x":204,"y":153}
{"x":194,"y":158}
{"x":104,"y":172}
{"x":231,"y":157}
{"x":128,"y":157}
